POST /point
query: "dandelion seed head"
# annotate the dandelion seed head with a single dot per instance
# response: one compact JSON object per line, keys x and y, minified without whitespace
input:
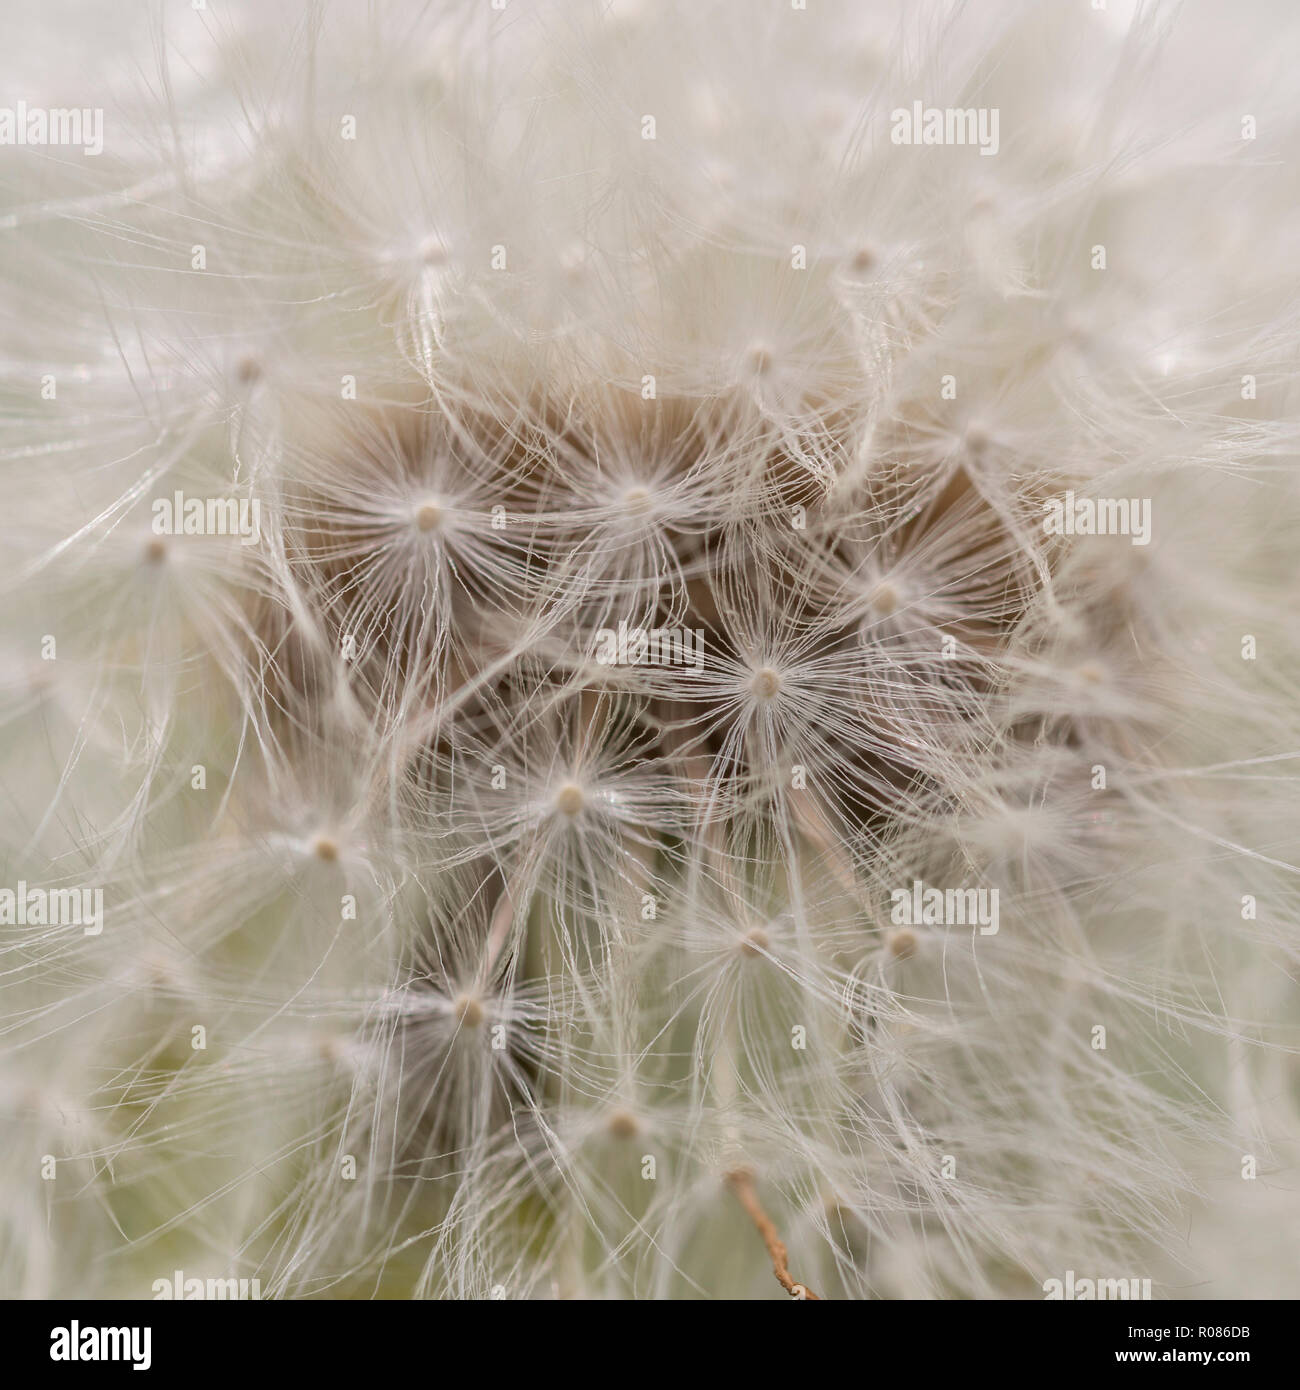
{"x":432,"y":252}
{"x":326,"y":849}
{"x":248,"y":370}
{"x":578,"y":798}
{"x":637,"y":499}
{"x":766,"y":683}
{"x":755,"y":942}
{"x":623,"y":1124}
{"x":570,"y":799}
{"x":885,"y":599}
{"x":902,"y":944}
{"x":759,"y":358}
{"x":469,"y":1011}
{"x":428,"y":516}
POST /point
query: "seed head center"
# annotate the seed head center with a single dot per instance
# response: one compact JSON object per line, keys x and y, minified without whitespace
{"x":755,"y":943}
{"x":623,"y":1124}
{"x":468,"y":1011}
{"x":885,"y":599}
{"x":637,"y":500}
{"x":902,"y":944}
{"x":759,"y":359}
{"x":766,"y":683}
{"x":428,"y":516}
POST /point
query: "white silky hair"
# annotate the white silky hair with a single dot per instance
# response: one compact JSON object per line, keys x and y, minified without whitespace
{"x":440,"y":959}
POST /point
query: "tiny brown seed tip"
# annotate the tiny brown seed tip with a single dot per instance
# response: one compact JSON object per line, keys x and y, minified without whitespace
{"x":469,"y":1011}
{"x":756,"y":942}
{"x":623,"y":1124}
{"x":766,"y":683}
{"x":902,"y":944}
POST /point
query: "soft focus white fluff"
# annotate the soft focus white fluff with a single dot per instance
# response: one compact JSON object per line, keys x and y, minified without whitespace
{"x":593,"y":903}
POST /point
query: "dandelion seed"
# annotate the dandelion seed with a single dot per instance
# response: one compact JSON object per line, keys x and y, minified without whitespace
{"x":759,"y":359}
{"x":766,"y":684}
{"x":902,"y":944}
{"x":428,"y":516}
{"x":248,"y":371}
{"x":885,"y":599}
{"x":624,"y":1125}
{"x":650,"y":805}
{"x":325,"y":849}
{"x":469,"y":1011}
{"x":432,"y":252}
{"x":756,"y":942}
